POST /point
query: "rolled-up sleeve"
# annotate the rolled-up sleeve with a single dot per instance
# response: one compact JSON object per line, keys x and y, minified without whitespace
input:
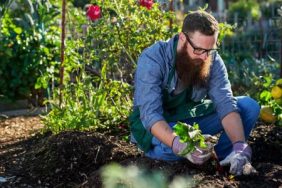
{"x":148,"y":90}
{"x":220,"y":89}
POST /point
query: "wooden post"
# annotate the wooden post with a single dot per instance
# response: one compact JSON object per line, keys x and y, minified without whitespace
{"x":62,"y":49}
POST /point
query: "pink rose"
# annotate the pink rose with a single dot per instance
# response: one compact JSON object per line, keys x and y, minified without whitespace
{"x":93,"y":12}
{"x":146,"y":3}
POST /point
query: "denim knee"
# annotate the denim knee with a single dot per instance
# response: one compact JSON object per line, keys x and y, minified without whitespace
{"x":249,"y":110}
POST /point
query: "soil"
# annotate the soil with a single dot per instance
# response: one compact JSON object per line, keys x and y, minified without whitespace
{"x":31,"y":158}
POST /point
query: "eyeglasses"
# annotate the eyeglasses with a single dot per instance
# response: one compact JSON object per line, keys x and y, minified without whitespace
{"x":199,"y":51}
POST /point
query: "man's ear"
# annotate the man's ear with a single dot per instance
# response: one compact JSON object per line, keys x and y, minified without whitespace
{"x":182,"y":36}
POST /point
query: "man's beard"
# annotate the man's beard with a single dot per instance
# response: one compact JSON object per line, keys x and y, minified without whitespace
{"x":192,"y":72}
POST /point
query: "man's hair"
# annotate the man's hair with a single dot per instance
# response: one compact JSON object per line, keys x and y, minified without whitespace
{"x":201,"y":21}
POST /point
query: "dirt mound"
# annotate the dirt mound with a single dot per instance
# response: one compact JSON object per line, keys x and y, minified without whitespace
{"x":68,"y":158}
{"x":74,"y":159}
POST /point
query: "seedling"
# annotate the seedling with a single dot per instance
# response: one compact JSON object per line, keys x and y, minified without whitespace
{"x":191,"y":135}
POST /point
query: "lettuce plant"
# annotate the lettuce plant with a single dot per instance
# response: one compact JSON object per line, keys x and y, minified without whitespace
{"x":191,"y":135}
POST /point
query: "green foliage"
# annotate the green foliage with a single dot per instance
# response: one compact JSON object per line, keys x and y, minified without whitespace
{"x":269,"y":97}
{"x":243,"y":65}
{"x":124,"y":30}
{"x":110,"y":46}
{"x":4,"y":6}
{"x":115,"y":176}
{"x":90,"y":103}
{"x":243,"y":9}
{"x":190,"y":135}
{"x":225,"y":30}
{"x":29,"y":44}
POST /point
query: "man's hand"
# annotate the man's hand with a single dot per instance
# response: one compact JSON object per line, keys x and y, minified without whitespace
{"x":199,"y":156}
{"x":239,"y":160}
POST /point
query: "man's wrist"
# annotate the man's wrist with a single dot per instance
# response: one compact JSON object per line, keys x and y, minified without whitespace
{"x":242,"y":148}
{"x":239,"y":141}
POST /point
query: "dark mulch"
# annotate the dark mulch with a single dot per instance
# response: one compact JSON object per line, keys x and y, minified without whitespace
{"x":74,"y":159}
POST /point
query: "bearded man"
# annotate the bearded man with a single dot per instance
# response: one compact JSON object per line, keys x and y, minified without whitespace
{"x":184,"y":79}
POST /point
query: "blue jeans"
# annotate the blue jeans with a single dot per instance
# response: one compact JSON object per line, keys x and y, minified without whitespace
{"x":211,"y":124}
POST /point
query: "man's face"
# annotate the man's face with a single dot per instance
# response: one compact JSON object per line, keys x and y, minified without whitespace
{"x":194,"y":57}
{"x":199,"y":47}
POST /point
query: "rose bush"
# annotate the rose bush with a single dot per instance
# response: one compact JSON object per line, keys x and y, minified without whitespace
{"x":124,"y":30}
{"x":107,"y":44}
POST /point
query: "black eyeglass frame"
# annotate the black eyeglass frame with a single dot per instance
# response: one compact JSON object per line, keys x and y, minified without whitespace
{"x":200,"y":51}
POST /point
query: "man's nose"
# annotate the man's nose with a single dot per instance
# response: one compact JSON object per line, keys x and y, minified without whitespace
{"x":204,"y":56}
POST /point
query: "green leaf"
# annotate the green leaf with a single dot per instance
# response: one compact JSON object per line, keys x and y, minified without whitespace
{"x":265,"y":96}
{"x":268,"y":81}
{"x":181,"y":129}
{"x":202,"y":143}
{"x":18,"y":30}
{"x":29,"y":18}
{"x":194,"y":133}
{"x":279,"y":82}
{"x":104,"y":71}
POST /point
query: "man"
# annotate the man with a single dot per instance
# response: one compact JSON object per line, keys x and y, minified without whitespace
{"x":185,"y":79}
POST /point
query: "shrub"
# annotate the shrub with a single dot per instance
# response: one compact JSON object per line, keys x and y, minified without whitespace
{"x":85,"y":105}
{"x":124,"y":30}
{"x":271,"y":101}
{"x":243,"y":10}
{"x":29,"y":45}
{"x":110,"y":47}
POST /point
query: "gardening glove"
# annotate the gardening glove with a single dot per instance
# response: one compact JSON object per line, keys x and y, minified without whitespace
{"x":198,"y":156}
{"x":239,"y":160}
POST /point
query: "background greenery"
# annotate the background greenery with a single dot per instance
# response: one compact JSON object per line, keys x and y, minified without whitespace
{"x":100,"y":56}
{"x":30,"y":40}
{"x":100,"y":60}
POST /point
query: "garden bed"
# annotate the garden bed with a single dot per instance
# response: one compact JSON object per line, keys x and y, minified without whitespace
{"x":74,"y":159}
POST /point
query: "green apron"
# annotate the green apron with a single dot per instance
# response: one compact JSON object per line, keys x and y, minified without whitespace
{"x":176,"y":108}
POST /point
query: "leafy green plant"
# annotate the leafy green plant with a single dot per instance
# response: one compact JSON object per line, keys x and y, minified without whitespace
{"x":271,"y":101}
{"x":191,"y":135}
{"x":124,"y":30}
{"x":226,"y":30}
{"x":29,"y":44}
{"x":90,"y":103}
{"x":108,"y":47}
{"x":244,"y":65}
{"x":114,"y":176}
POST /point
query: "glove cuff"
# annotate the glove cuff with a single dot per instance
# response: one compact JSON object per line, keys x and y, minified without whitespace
{"x":243,"y":148}
{"x":177,"y":146}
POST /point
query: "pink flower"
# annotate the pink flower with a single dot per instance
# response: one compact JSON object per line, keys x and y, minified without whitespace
{"x":93,"y":12}
{"x":146,"y":3}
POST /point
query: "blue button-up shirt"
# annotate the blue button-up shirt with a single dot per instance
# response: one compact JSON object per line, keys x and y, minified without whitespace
{"x":151,"y":76}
